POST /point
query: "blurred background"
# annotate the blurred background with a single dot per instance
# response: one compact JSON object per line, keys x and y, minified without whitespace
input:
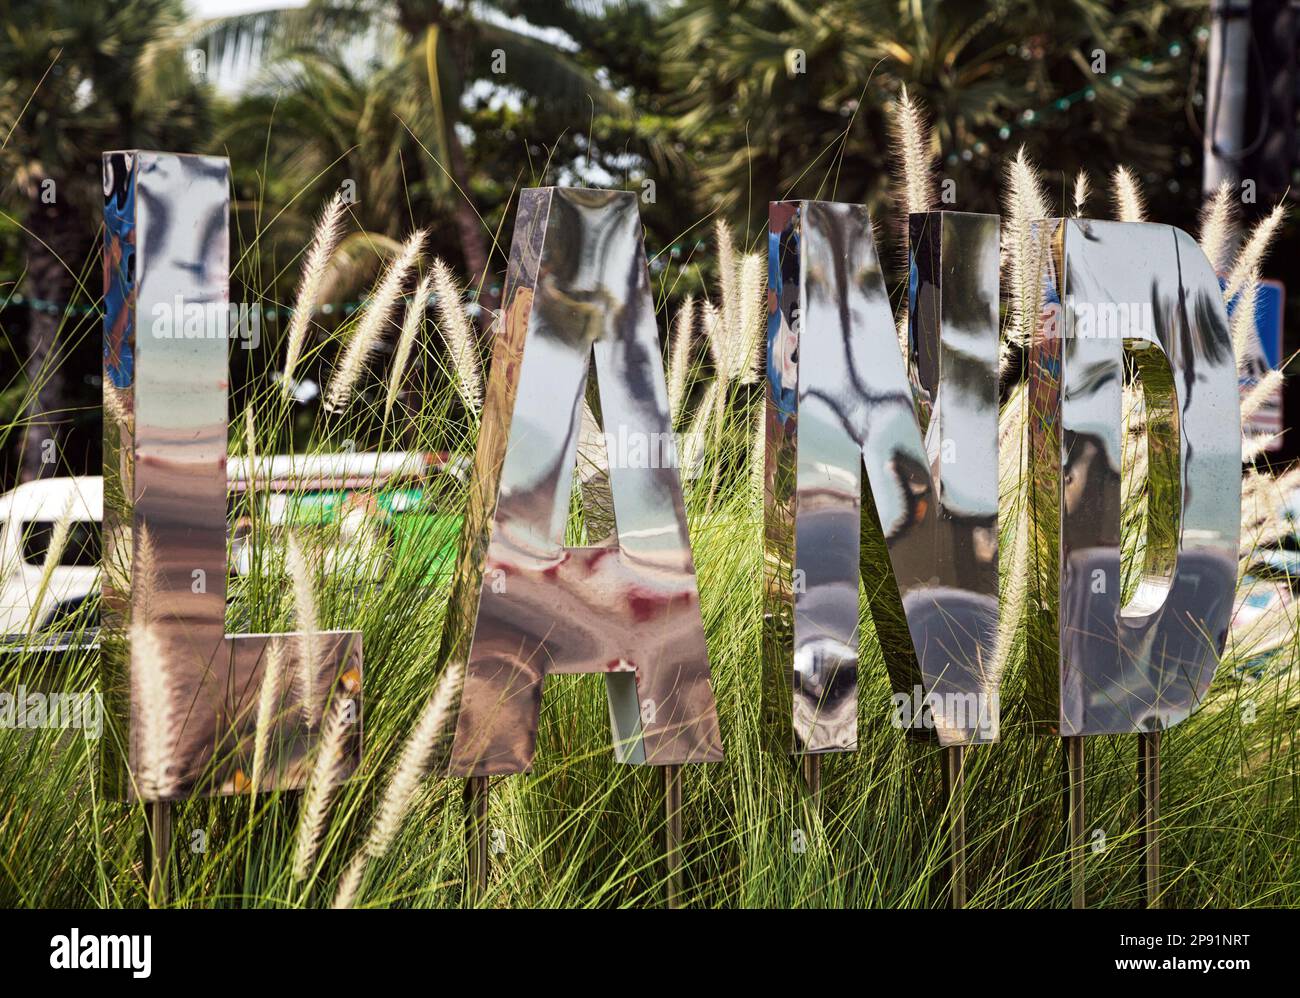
{"x":436,"y":114}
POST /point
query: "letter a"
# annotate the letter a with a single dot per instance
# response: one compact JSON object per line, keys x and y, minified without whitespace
{"x":577,"y":283}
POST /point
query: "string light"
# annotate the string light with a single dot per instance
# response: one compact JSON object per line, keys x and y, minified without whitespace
{"x":1032,"y":117}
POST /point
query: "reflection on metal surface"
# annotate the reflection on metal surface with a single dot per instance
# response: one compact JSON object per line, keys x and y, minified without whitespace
{"x":1144,"y":289}
{"x":183,"y":693}
{"x":525,"y":606}
{"x":839,"y":397}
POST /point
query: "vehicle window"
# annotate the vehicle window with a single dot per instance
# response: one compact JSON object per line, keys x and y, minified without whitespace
{"x":82,"y":549}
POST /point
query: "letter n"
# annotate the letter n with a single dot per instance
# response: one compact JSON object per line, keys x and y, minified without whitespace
{"x":840,"y":399}
{"x":1113,"y":659}
{"x":577,"y":284}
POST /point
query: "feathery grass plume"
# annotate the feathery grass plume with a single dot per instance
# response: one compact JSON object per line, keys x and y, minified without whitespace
{"x":1263,"y":517}
{"x":325,"y":775}
{"x":350,"y":882}
{"x":411,"y":326}
{"x":915,"y":186}
{"x":154,"y":714}
{"x":695,"y":440}
{"x":1259,"y":505}
{"x":1255,"y":445}
{"x":1015,"y":597}
{"x":734,"y":327}
{"x":308,"y":637}
{"x":1283,"y":486}
{"x":1261,"y":392}
{"x":1251,"y":258}
{"x":114,"y":409}
{"x":53,"y":555}
{"x":371,"y":327}
{"x":326,"y":237}
{"x":730,"y":325}
{"x":728,"y":292}
{"x":1081,"y":192}
{"x":145,"y":573}
{"x":912,"y":135}
{"x":1129,"y":204}
{"x":268,"y":705}
{"x":1241,"y":324}
{"x":453,"y":323}
{"x":1218,"y":228}
{"x":1024,"y":249}
{"x":412,"y":767}
{"x":1011,"y":431}
{"x":679,"y":359}
{"x":711,"y":321}
{"x":758,"y":454}
{"x":752,"y":317}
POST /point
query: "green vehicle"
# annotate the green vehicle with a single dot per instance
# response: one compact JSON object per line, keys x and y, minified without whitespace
{"x":369,"y":514}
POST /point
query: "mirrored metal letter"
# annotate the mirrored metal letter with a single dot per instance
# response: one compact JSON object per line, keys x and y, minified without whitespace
{"x":524,"y":605}
{"x":839,"y":398}
{"x":184,"y":695}
{"x":1101,"y":665}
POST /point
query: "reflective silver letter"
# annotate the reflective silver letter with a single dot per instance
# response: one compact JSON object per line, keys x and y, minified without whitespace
{"x":628,"y":608}
{"x":839,"y":397}
{"x":184,"y":693}
{"x":1099,"y":667}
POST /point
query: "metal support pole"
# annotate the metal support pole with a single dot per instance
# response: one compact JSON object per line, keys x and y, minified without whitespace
{"x":673,"y":833}
{"x":476,"y":837}
{"x":1149,"y":814}
{"x":1075,"y":815}
{"x":954,"y":781}
{"x":1225,"y":92}
{"x":812,"y":779}
{"x":158,"y":831}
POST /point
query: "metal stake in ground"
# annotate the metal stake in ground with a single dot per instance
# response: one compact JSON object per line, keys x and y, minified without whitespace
{"x":1149,"y":815}
{"x":476,"y":837}
{"x":673,"y":833}
{"x":158,"y":847}
{"x":812,"y":780}
{"x":954,"y":782}
{"x":1072,"y":782}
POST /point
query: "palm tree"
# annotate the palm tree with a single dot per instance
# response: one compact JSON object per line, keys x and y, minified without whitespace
{"x":76,"y":79}
{"x":791,"y":97}
{"x":428,"y":55}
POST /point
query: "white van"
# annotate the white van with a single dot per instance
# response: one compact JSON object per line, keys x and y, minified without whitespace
{"x":28,"y":516}
{"x":29,"y":513}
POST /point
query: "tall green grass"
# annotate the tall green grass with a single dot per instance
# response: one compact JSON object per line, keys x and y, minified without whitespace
{"x":584,"y":831}
{"x":581,"y":830}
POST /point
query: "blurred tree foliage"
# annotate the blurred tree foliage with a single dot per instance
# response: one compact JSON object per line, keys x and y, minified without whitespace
{"x":434,"y":114}
{"x":788,"y":99}
{"x":75,"y":79}
{"x":719,"y":104}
